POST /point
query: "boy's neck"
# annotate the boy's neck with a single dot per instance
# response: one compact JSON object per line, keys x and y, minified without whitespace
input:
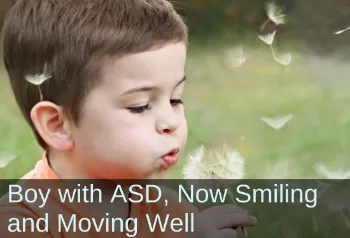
{"x":61,"y":164}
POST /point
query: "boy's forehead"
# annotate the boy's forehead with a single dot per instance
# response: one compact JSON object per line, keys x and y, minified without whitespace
{"x":167,"y":62}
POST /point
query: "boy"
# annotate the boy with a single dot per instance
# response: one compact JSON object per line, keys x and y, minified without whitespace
{"x":100,"y":83}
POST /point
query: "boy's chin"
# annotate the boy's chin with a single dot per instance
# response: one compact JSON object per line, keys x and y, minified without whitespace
{"x":161,"y":174}
{"x":155,"y":175}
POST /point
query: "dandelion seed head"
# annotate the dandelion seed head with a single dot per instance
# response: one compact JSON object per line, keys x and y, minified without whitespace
{"x":194,"y":168}
{"x":230,"y":163}
{"x":222,"y":163}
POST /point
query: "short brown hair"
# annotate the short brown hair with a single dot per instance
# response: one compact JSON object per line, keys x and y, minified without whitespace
{"x":72,"y":37}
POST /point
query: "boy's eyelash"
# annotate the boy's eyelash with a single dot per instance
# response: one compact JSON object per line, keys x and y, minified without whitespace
{"x":139,"y":109}
{"x":143,"y":108}
{"x":175,"y":102}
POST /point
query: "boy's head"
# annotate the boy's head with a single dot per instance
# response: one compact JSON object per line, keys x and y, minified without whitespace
{"x":109,"y":107}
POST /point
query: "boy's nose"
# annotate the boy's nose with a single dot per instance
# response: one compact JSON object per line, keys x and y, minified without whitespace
{"x":168,"y":123}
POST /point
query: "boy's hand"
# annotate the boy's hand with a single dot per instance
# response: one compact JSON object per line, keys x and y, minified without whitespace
{"x":221,"y":221}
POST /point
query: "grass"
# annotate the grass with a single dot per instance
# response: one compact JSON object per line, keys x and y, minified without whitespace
{"x":224,"y":104}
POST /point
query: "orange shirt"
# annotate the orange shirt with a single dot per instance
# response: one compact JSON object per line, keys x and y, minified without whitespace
{"x":39,"y":177}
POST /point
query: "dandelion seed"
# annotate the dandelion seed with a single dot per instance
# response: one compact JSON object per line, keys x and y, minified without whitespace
{"x":236,"y":56}
{"x":326,"y":172}
{"x":38,"y":80}
{"x":5,"y":159}
{"x":277,"y":123}
{"x":274,"y":14}
{"x":341,"y":31}
{"x":268,"y":38}
{"x":284,"y":59}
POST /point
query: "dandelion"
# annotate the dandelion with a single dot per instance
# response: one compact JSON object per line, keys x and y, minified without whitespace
{"x":5,"y":159}
{"x":236,"y":56}
{"x":285,"y":59}
{"x":268,"y":38}
{"x":225,"y":163}
{"x":326,"y":172}
{"x":341,"y":31}
{"x":38,"y":80}
{"x":195,"y":168}
{"x":277,"y":123}
{"x":274,"y":14}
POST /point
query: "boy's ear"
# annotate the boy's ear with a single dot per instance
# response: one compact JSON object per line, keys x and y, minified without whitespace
{"x":53,"y":125}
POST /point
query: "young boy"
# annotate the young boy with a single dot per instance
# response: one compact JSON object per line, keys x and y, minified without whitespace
{"x":100,"y":83}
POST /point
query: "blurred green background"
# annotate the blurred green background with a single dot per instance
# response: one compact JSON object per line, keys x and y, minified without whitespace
{"x":225,"y":103}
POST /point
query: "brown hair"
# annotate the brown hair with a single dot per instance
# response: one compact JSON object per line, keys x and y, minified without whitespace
{"x":70,"y":39}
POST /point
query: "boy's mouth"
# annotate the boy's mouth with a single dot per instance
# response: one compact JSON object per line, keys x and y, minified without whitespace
{"x":171,"y":157}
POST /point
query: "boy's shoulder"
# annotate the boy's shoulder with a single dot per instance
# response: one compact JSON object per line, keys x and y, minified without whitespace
{"x":41,"y":170}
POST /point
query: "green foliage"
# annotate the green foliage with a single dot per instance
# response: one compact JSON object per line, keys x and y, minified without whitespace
{"x":212,"y":16}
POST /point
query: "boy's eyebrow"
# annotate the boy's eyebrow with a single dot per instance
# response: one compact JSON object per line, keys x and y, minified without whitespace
{"x":148,"y":88}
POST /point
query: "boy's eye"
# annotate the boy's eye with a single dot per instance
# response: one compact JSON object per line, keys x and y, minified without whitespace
{"x":139,"y":109}
{"x":143,"y":108}
{"x":175,"y":102}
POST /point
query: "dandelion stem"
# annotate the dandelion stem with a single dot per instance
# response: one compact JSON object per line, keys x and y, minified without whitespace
{"x":232,"y":198}
{"x":264,"y":24}
{"x":273,"y":52}
{"x":41,"y":94}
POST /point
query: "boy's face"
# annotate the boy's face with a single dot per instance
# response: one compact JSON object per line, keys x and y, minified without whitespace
{"x":135,"y":118}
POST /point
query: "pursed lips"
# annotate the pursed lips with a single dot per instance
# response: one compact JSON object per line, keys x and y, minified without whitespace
{"x":171,"y":157}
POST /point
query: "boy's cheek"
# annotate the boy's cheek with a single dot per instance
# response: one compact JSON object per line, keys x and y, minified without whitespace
{"x":184,"y":135}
